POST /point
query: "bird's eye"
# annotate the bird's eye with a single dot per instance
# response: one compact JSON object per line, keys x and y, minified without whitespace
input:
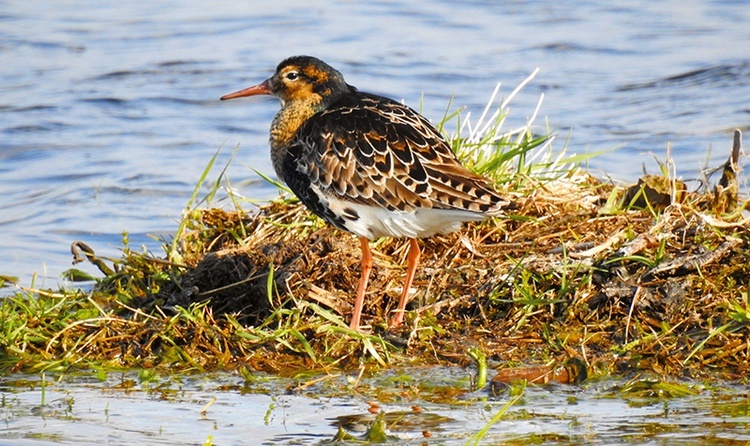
{"x":292,"y":75}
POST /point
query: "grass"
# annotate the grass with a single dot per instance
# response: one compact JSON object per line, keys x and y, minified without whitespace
{"x":482,"y":433}
{"x":613,"y":275}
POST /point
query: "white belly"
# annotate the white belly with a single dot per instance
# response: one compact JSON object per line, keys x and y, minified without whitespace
{"x":376,"y":222}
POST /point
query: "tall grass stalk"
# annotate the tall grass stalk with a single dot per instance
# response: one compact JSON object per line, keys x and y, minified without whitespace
{"x":500,"y":154}
{"x":479,"y":436}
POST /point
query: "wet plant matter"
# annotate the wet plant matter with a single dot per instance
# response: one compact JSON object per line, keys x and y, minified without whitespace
{"x":649,"y":277}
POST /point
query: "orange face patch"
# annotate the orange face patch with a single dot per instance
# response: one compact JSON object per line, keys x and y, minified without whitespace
{"x":315,"y":74}
{"x":299,"y":88}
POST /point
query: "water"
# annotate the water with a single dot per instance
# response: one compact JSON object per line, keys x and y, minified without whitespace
{"x":109,"y":111}
{"x":123,"y":410}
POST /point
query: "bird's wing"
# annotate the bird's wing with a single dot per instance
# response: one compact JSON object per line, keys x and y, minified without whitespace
{"x":377,"y":152}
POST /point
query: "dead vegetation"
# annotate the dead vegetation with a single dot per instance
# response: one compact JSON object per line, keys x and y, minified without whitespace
{"x":622,"y":278}
{"x":653,"y":277}
{"x":558,"y":277}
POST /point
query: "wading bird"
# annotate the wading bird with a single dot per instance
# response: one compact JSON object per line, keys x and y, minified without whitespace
{"x":368,"y":165}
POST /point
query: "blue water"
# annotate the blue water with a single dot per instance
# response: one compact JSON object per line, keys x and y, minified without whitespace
{"x":109,"y":111}
{"x":123,"y":410}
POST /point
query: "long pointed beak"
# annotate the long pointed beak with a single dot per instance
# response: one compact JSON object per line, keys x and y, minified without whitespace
{"x":262,"y":88}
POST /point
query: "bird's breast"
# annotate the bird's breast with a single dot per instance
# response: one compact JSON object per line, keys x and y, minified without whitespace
{"x":284,"y":128}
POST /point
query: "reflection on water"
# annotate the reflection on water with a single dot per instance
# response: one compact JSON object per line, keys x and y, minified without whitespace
{"x":110,"y":111}
{"x":125,"y":409}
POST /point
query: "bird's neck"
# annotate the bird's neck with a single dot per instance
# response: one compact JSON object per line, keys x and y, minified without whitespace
{"x":285,"y":125}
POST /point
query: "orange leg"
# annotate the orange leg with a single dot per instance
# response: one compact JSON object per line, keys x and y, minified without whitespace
{"x":366,"y":267}
{"x":412,"y":259}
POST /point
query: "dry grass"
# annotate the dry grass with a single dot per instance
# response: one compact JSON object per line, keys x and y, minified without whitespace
{"x":559,"y":278}
{"x":626,"y":289}
{"x":650,"y":277}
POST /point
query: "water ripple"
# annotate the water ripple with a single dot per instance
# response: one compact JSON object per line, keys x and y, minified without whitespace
{"x":730,"y":76}
{"x":110,"y":112}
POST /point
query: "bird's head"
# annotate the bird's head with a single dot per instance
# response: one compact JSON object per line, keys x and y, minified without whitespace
{"x":300,"y":78}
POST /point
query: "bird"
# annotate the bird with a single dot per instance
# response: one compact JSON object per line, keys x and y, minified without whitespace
{"x":368,"y":165}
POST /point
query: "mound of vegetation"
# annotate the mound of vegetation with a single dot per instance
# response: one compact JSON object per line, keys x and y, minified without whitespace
{"x":646,"y":277}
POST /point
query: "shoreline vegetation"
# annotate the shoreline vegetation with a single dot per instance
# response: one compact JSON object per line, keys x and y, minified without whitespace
{"x":649,"y":278}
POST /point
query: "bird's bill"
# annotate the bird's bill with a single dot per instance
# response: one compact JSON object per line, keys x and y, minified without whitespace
{"x":261,"y":88}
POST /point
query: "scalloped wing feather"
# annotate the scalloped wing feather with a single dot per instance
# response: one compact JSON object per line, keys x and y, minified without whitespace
{"x":373,"y":151}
